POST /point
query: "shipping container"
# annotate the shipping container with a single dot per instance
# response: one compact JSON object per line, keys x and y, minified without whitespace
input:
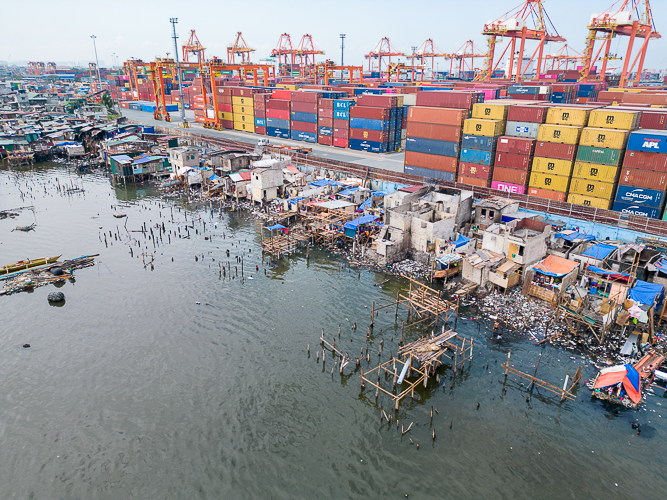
{"x":528,"y":130}
{"x":277,"y":123}
{"x":634,"y":209}
{"x":604,"y":138}
{"x":450,"y":133}
{"x":475,"y":170}
{"x":472,"y":181}
{"x":244,"y":127}
{"x":648,"y":140}
{"x":260,"y":130}
{"x":342,"y":133}
{"x":552,"y":166}
{"x":225,"y":116}
{"x":296,"y":116}
{"x":430,"y":146}
{"x":589,"y":201}
{"x":488,"y":128}
{"x":369,"y":124}
{"x":575,"y":117}
{"x":369,"y":135}
{"x":243,"y":110}
{"x":563,"y":134}
{"x":325,"y":113}
{"x":323,"y":122}
{"x":446,"y":99}
{"x":606,"y":156}
{"x":507,"y":187}
{"x":327,"y":140}
{"x":325,"y":131}
{"x":299,"y":135}
{"x":377,"y":101}
{"x":435,"y":162}
{"x":521,"y":113}
{"x":511,"y":175}
{"x":490,"y":111}
{"x":546,"y":194}
{"x":478,"y":142}
{"x":643,"y":178}
{"x":640,"y":196}
{"x":443,"y":116}
{"x":243,"y":118}
{"x":549,"y":181}
{"x":369,"y":113}
{"x":304,"y":107}
{"x":555,"y":150}
{"x":242,"y":101}
{"x":342,"y":124}
{"x":280,"y":114}
{"x":430,"y":173}
{"x":516,"y":145}
{"x":477,"y":156}
{"x":646,"y":161}
{"x":341,"y":114}
{"x":653,"y":120}
{"x":296,"y":126}
{"x":597,"y":189}
{"x":341,"y":142}
{"x":278,"y":104}
{"x":608,"y":118}
{"x":509,"y":160}
{"x":363,"y":145}
{"x":595,"y":171}
{"x":343,"y":104}
{"x":260,"y":122}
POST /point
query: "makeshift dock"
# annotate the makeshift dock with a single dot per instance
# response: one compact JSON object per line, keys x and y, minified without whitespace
{"x":30,"y":279}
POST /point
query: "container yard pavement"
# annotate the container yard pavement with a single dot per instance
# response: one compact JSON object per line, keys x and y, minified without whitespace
{"x":390,"y":161}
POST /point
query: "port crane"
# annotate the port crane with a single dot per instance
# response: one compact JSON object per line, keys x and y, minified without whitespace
{"x":427,"y":50}
{"x":92,"y":69}
{"x":285,"y":53}
{"x":51,"y":68}
{"x":514,"y":25}
{"x":325,"y":70}
{"x":383,"y":49}
{"x":561,"y":59}
{"x":193,"y":46}
{"x":617,"y":21}
{"x":306,"y":52}
{"x":239,"y":48}
{"x":464,"y":58}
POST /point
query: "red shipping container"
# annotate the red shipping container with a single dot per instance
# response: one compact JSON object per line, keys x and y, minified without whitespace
{"x":511,"y":175}
{"x":282,"y":94}
{"x":260,"y":113}
{"x":647,"y":179}
{"x":555,"y":150}
{"x":476,"y":171}
{"x":224,"y":100}
{"x":326,"y":103}
{"x":278,"y":104}
{"x":645,"y":161}
{"x":325,"y":112}
{"x":545,"y":193}
{"x":277,"y":113}
{"x":260,"y":130}
{"x":324,"y":122}
{"x":377,"y":101}
{"x":472,"y":181}
{"x":341,"y":133}
{"x":221,"y":91}
{"x":652,"y":120}
{"x":306,"y":97}
{"x":325,"y":139}
{"x":229,"y":124}
{"x":304,"y":127}
{"x":509,"y":160}
{"x":244,"y":91}
{"x":225,"y":108}
{"x":344,"y":124}
{"x":369,"y":135}
{"x":449,"y":133}
{"x":515,"y":145}
{"x":446,"y":99}
{"x":200,"y":119}
{"x":434,"y":162}
{"x":443,"y":116}
{"x":520,"y":113}
{"x":304,"y":107}
{"x":367,"y":112}
{"x":341,"y":142}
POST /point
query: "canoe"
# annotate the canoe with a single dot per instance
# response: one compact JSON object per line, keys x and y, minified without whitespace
{"x":27,"y":264}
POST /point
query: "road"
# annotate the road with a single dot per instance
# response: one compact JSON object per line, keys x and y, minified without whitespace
{"x":391,"y":161}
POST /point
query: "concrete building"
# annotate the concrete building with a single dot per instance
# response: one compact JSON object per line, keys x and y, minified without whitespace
{"x":180,"y":158}
{"x":226,"y":161}
{"x":404,"y":195}
{"x":491,"y":210}
{"x":523,"y":241}
{"x":266,"y":183}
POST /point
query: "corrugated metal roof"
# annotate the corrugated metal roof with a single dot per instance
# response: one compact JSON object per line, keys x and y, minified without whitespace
{"x":411,"y":189}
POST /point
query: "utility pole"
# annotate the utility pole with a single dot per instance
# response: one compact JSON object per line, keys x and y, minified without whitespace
{"x":173,"y":22}
{"x":342,"y":49}
{"x":97,"y":64}
{"x":414,"y":49}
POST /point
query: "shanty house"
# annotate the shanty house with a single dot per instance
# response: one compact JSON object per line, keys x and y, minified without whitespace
{"x":404,"y":195}
{"x":523,"y":241}
{"x":266,"y":183}
{"x":493,"y":209}
{"x":237,"y":184}
{"x":181,"y":158}
{"x":594,"y":254}
{"x":548,"y":279}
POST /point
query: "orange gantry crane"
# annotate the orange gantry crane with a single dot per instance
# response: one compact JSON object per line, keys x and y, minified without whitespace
{"x":465,"y":59}
{"x":193,"y":46}
{"x":92,"y":69}
{"x":561,"y":59}
{"x":514,"y":25}
{"x":285,"y":53}
{"x":383,"y":49}
{"x":239,"y":48}
{"x":427,"y":50}
{"x":51,"y":68}
{"x":327,"y":68}
{"x":620,"y":21}
{"x":306,"y":52}
{"x":33,"y":68}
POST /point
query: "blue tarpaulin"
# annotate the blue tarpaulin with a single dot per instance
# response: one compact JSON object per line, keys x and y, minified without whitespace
{"x":348,"y":191}
{"x":612,"y":274}
{"x":277,"y":226}
{"x":367,"y":204}
{"x":662,"y":265}
{"x":646,"y":293}
{"x":360,"y":221}
{"x":575,"y":235}
{"x":599,"y":251}
{"x":461,"y":241}
{"x":213,"y":178}
{"x":325,"y":182}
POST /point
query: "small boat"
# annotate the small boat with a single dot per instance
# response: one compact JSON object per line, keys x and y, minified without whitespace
{"x":24,"y":228}
{"x":27,"y":264}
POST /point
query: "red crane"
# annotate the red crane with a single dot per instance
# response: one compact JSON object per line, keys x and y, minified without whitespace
{"x":465,"y":58}
{"x":514,"y":25}
{"x":383,"y":49}
{"x":306,"y":52}
{"x":562,"y":58}
{"x":51,"y":68}
{"x":193,"y":46}
{"x":285,"y":52}
{"x":427,"y":50}
{"x":239,"y":48}
{"x":620,"y":21}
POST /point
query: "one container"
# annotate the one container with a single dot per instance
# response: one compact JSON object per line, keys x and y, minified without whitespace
{"x":509,"y":160}
{"x":549,"y":181}
{"x":444,"y":116}
{"x":555,"y":150}
{"x":648,"y":140}
{"x":576,"y":117}
{"x":430,"y":173}
{"x":507,"y":187}
{"x":490,"y":111}
{"x":430,"y":146}
{"x":521,"y":113}
{"x":528,"y":130}
{"x":552,"y":166}
{"x":646,"y":161}
{"x":634,"y":209}
{"x":563,"y":134}
{"x":589,"y":201}
{"x":597,"y":189}
{"x":511,"y":175}
{"x":488,"y":128}
{"x":606,"y":156}
{"x":516,"y":145}
{"x":640,"y":196}
{"x":643,"y":178}
{"x":436,"y":162}
{"x":476,"y":156}
{"x":595,"y":171}
{"x":546,"y":194}
{"x":610,"y":119}
{"x":604,"y":138}
{"x":478,"y":142}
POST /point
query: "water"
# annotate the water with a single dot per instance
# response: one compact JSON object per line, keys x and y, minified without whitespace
{"x":133,"y":390}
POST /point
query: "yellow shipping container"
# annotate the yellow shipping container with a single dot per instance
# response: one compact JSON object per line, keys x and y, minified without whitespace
{"x":576,"y":117}
{"x":588,"y":201}
{"x":287,"y":87}
{"x":549,"y":181}
{"x":563,"y":134}
{"x":487,"y":128}
{"x":399,"y":101}
{"x":552,"y":166}
{"x":243,"y":109}
{"x":238,"y":117}
{"x":245,"y":127}
{"x":596,"y":189}
{"x":490,"y":111}
{"x":225,"y":115}
{"x":595,"y":171}
{"x":604,"y":138}
{"x":244,"y":101}
{"x":609,"y":118}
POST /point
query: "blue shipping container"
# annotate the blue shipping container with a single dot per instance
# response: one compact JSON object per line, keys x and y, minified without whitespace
{"x":341,"y":114}
{"x":476,"y":156}
{"x":369,"y":124}
{"x":372,"y":146}
{"x":640,"y":196}
{"x":521,"y":90}
{"x":431,"y":146}
{"x":326,"y":131}
{"x":648,"y":140}
{"x":629,"y":208}
{"x":346,"y":105}
{"x":478,"y":142}
{"x":260,"y":122}
{"x":278,"y":123}
{"x":297,"y":135}
{"x":278,"y":132}
{"x":298,"y":116}
{"x":427,"y":172}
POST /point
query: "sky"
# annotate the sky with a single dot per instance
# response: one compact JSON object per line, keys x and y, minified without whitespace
{"x":60,"y":31}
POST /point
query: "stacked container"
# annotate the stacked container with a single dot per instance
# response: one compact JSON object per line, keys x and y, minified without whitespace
{"x":478,"y":146}
{"x":224,"y":106}
{"x":243,"y":109}
{"x":325,"y":113}
{"x":303,"y":124}
{"x":511,"y":171}
{"x":373,"y":123}
{"x":341,"y":122}
{"x":278,"y":109}
{"x":259,"y":103}
{"x":641,"y":189}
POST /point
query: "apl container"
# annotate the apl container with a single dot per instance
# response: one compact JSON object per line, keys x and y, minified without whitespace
{"x":648,"y":140}
{"x":640,"y":196}
{"x":522,"y":129}
{"x":430,"y":146}
{"x":634,"y":209}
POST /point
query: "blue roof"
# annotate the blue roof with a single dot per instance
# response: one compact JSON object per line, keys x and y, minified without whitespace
{"x":325,"y":182}
{"x":604,"y":272}
{"x":599,"y":251}
{"x":348,"y":191}
{"x":461,"y":241}
{"x":575,"y":235}
{"x":359,"y":221}
{"x":646,"y":293}
{"x":276,"y":226}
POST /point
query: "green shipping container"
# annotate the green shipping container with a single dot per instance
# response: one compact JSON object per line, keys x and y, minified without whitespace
{"x":605,"y":156}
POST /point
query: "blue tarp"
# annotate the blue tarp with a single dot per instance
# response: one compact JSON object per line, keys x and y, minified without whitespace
{"x":360,"y":221}
{"x":646,"y":293}
{"x":599,"y":251}
{"x":277,"y":226}
{"x":348,"y":191}
{"x":604,"y":272}
{"x":461,"y":241}
{"x":575,"y":236}
{"x":325,"y":182}
{"x":367,"y":204}
{"x":662,"y":265}
{"x":213,"y":178}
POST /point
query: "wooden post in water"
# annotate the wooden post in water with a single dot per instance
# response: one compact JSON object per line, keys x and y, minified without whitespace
{"x":398,"y":298}
{"x":373,"y":314}
{"x":507,"y":368}
{"x":535,"y":374}
{"x":363,"y":385}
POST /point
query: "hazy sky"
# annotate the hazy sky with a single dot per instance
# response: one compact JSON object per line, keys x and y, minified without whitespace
{"x":60,"y":30}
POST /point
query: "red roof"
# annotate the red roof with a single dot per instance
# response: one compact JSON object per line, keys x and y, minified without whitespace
{"x":411,"y":189}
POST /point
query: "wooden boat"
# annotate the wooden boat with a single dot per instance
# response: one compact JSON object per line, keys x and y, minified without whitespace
{"x":27,"y":264}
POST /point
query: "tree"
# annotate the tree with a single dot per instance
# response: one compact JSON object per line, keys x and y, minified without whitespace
{"x":110,"y":104}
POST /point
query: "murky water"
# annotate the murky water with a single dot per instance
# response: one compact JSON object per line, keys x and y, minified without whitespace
{"x":179,"y":383}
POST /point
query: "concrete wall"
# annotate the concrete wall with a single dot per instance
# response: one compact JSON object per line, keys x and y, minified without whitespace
{"x":265,"y":179}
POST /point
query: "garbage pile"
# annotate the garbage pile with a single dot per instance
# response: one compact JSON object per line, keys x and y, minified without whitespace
{"x":409,"y":268}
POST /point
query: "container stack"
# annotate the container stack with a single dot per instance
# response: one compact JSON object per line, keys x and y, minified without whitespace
{"x":643,"y":178}
{"x":224,"y":106}
{"x":325,"y":113}
{"x":278,"y":109}
{"x":594,"y":184}
{"x":243,"y":109}
{"x":303,"y":124}
{"x":373,"y":123}
{"x":341,"y":122}
{"x":478,"y":145}
{"x":511,"y":171}
{"x":259,"y":103}
{"x":556,"y":145}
